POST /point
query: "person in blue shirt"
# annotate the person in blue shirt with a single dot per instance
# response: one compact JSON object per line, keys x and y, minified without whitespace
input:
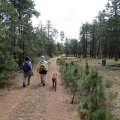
{"x":27,"y":71}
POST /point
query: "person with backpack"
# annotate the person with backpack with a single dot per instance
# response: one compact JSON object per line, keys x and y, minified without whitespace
{"x":42,"y":69}
{"x":27,"y":69}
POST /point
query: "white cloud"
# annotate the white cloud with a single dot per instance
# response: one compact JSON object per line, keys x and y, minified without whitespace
{"x":68,"y":15}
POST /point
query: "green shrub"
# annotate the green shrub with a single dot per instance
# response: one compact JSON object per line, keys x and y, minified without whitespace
{"x":108,"y":83}
{"x":93,"y":101}
{"x":9,"y":66}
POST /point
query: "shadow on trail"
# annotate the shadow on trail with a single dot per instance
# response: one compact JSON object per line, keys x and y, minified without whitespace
{"x":18,"y":88}
{"x":46,"y":87}
{"x":37,"y":86}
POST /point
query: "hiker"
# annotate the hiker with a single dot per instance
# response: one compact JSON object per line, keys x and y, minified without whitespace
{"x":42,"y":69}
{"x":27,"y":69}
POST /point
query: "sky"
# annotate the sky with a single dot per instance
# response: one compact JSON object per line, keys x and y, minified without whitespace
{"x":67,"y":15}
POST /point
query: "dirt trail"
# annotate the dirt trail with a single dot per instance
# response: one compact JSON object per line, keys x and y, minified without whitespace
{"x":36,"y":102}
{"x":57,"y":102}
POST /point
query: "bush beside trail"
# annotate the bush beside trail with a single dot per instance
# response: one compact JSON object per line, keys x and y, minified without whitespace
{"x":88,"y":90}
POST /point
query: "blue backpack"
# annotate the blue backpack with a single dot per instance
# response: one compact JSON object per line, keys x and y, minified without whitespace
{"x":26,"y":67}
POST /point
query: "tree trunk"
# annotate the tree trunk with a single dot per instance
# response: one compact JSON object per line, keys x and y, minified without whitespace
{"x":104,"y":62}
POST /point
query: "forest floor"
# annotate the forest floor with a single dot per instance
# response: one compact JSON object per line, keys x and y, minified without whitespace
{"x":36,"y":102}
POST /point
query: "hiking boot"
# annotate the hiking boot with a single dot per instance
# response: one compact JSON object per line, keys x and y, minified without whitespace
{"x":43,"y":84}
{"x":23,"y":84}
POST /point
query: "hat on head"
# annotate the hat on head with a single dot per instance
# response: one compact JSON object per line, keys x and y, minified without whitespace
{"x":42,"y":57}
{"x":26,"y":58}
